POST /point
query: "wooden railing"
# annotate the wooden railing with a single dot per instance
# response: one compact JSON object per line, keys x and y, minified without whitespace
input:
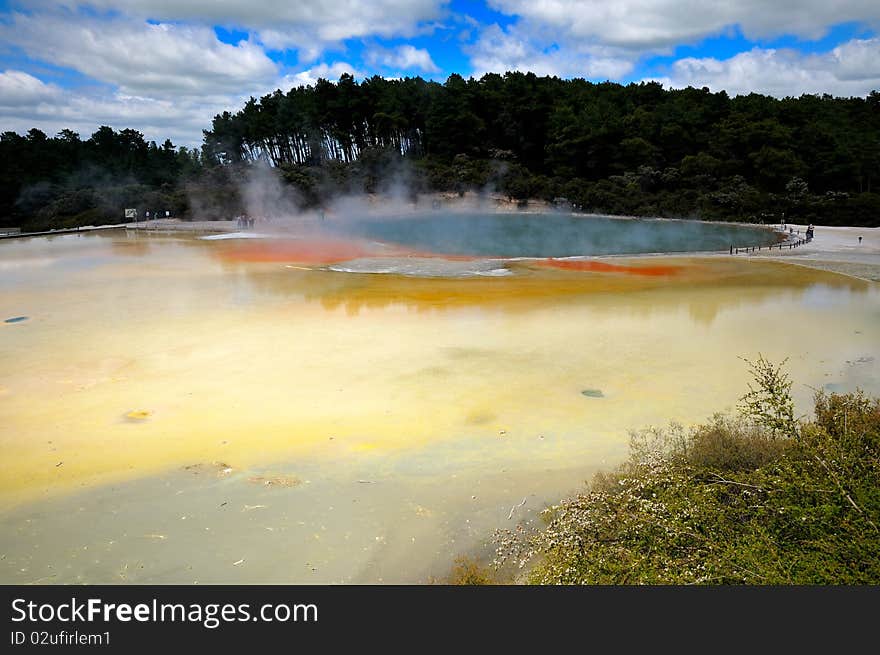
{"x":779,"y":246}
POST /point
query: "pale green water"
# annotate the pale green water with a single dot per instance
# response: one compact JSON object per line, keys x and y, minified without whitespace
{"x":552,"y":235}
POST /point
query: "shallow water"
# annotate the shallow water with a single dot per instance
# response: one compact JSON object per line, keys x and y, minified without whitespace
{"x":172,"y":411}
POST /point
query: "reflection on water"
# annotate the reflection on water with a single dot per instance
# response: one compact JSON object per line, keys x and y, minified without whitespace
{"x":168,"y":410}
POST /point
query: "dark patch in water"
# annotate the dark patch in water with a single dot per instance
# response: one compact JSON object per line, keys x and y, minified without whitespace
{"x":480,"y":418}
{"x":137,"y":415}
{"x":593,"y":393}
{"x":16,"y":319}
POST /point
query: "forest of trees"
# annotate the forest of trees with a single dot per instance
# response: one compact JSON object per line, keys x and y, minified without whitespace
{"x":64,"y":181}
{"x":635,"y":149}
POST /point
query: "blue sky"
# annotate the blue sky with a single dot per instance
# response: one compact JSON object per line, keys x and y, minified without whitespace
{"x":166,"y":67}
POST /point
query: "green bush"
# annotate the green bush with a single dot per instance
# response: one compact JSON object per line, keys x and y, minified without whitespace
{"x":467,"y":571}
{"x":747,"y":499}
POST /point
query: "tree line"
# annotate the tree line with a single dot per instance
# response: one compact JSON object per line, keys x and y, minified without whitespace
{"x":626,"y":149}
{"x":64,"y":181}
{"x":635,"y":149}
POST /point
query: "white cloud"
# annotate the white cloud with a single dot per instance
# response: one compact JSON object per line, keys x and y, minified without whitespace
{"x":142,"y":58}
{"x":26,"y":102}
{"x":157,"y":65}
{"x":310,"y":25}
{"x":856,"y":60}
{"x":402,"y":58}
{"x":19,"y":89}
{"x":599,"y":39}
{"x":851,"y":69}
{"x":659,"y":24}
{"x":330,"y":72}
{"x":500,"y":50}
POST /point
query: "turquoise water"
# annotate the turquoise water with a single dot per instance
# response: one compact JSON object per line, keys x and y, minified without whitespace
{"x":553,"y":235}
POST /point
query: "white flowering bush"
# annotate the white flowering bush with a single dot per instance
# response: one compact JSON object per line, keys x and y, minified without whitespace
{"x":734,"y":501}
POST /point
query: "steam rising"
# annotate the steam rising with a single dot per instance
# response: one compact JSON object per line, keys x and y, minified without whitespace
{"x":396,"y":230}
{"x":266,"y":197}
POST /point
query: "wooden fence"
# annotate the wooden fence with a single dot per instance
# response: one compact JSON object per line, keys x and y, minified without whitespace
{"x":779,"y":246}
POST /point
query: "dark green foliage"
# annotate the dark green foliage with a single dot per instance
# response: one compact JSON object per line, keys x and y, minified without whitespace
{"x":48,"y":183}
{"x":637,"y":149}
{"x":730,"y":502}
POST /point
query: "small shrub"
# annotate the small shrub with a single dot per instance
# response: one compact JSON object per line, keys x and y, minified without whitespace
{"x":466,"y":571}
{"x":728,"y":444}
{"x":769,"y":403}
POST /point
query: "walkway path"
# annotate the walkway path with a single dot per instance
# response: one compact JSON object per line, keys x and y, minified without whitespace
{"x":835,"y":249}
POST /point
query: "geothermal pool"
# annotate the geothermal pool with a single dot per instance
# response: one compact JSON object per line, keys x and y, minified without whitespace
{"x":551,"y":235}
{"x":185,"y":410}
